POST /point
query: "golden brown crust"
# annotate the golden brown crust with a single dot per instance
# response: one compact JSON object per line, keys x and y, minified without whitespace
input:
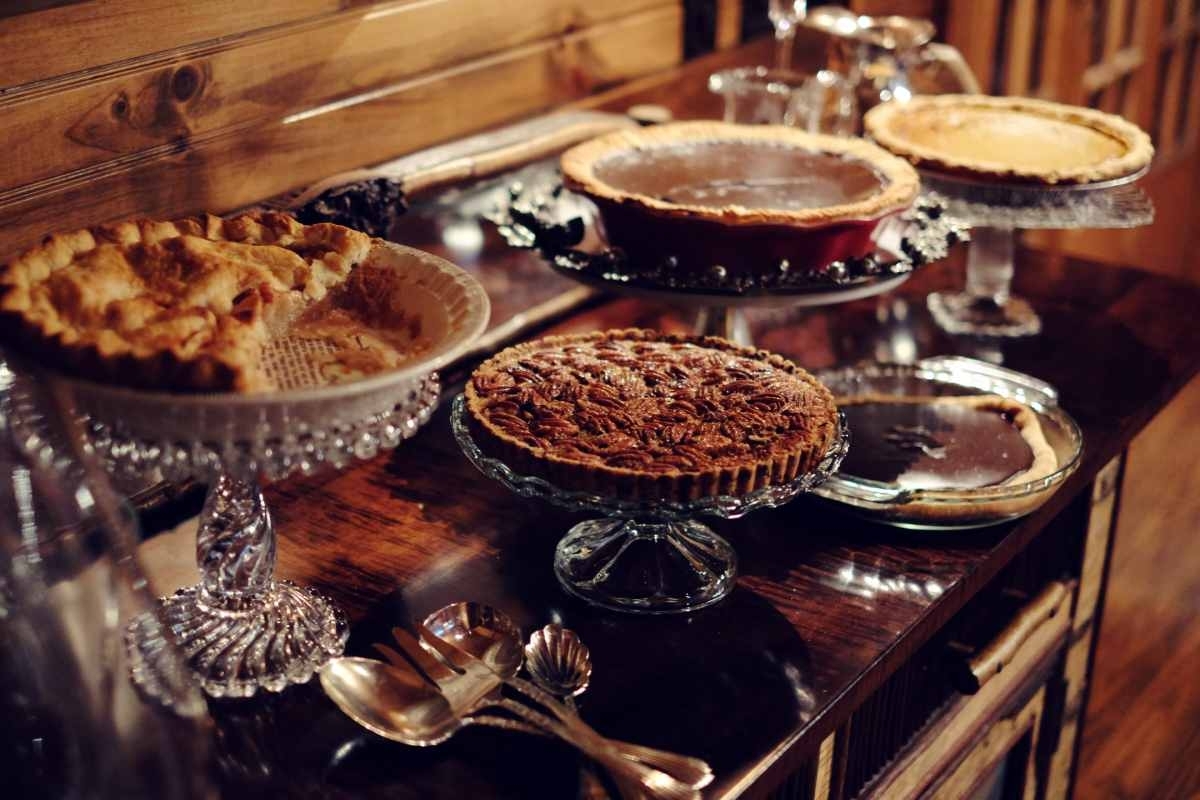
{"x":648,"y":461}
{"x":900,"y":180}
{"x":886,"y":123}
{"x":184,"y":305}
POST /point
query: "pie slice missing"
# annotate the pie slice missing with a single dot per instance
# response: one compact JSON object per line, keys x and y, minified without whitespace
{"x":253,"y":303}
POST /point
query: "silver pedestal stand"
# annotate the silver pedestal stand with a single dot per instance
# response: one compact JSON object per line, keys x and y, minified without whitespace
{"x":542,"y":215}
{"x":986,"y":305}
{"x":646,"y":557}
{"x":240,"y":628}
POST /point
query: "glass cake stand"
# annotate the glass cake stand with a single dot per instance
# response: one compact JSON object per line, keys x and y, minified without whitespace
{"x":540,"y":214}
{"x":240,"y":628}
{"x":986,"y":306}
{"x":646,"y":557}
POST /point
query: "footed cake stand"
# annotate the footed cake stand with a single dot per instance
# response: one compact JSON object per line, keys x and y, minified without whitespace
{"x":240,"y":628}
{"x":645,"y":557}
{"x":986,"y":306}
{"x":542,"y":215}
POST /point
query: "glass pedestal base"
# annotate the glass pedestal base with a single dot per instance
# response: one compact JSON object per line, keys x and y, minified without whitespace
{"x":236,"y":647}
{"x":645,"y":567}
{"x":965,"y":314}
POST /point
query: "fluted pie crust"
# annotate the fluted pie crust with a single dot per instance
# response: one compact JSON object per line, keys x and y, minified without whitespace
{"x":641,"y":415}
{"x":898,"y":188}
{"x":189,"y":305}
{"x":1015,"y":139}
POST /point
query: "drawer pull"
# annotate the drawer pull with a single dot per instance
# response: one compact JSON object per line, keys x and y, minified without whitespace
{"x":970,"y":673}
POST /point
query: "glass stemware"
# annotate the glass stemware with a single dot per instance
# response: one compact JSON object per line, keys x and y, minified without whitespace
{"x":98,"y":701}
{"x":785,"y":15}
{"x":820,"y":102}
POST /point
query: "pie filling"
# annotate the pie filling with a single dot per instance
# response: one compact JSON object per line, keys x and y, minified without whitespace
{"x":650,"y":406}
{"x":1021,"y":139}
{"x":252,"y":303}
{"x":750,"y":174}
{"x":934,"y":445}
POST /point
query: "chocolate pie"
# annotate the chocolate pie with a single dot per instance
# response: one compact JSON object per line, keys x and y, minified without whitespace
{"x":196,"y":304}
{"x":1010,"y":139}
{"x":643,"y":415}
{"x":739,"y":198}
{"x":945,"y":443}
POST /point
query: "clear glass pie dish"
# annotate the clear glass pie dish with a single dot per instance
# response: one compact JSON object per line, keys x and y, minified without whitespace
{"x":950,"y":507}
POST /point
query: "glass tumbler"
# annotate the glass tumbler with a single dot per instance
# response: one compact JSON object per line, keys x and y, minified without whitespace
{"x":819,"y":102}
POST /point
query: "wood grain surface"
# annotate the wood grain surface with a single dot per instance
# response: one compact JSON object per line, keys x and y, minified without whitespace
{"x":1144,"y":689}
{"x":770,"y":673}
{"x":68,"y":38}
{"x":194,"y":93}
{"x":236,"y":165}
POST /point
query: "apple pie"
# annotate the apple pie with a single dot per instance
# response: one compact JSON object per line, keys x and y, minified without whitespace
{"x":207,"y":304}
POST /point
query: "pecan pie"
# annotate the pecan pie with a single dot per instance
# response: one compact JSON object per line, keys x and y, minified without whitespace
{"x":195,"y":304}
{"x":744,"y":198}
{"x":643,"y":415}
{"x":1014,"y":139}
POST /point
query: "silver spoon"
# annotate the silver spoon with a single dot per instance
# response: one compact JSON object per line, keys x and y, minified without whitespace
{"x":394,"y":704}
{"x":491,"y":636}
{"x":399,"y":705}
{"x":559,"y":662}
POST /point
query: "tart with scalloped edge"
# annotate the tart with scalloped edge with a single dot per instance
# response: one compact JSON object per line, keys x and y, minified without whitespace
{"x":642,"y":415}
{"x":747,"y":199}
{"x":192,"y":305}
{"x":1015,"y":139}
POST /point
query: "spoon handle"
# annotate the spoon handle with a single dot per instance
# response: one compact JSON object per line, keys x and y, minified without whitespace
{"x":692,"y":771}
{"x":653,"y":783}
{"x":505,"y":723}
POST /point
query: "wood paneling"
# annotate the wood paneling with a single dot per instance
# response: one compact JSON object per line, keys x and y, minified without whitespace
{"x":72,"y":125}
{"x":78,"y":36}
{"x":238,"y":163}
{"x":1140,"y":738}
{"x":975,"y":33}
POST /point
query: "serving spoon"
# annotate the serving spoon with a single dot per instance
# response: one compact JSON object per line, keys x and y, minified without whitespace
{"x":399,"y":705}
{"x":489,"y":635}
{"x":559,"y":662}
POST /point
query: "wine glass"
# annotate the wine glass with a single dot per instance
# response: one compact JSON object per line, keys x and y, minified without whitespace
{"x":785,"y":15}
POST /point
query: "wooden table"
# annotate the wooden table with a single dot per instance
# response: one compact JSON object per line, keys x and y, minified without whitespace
{"x":786,"y":685}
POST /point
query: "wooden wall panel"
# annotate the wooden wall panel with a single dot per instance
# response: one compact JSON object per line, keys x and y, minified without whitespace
{"x":99,"y":125}
{"x":236,"y":165}
{"x":79,"y":36}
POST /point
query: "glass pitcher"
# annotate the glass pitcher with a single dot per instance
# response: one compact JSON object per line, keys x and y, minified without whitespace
{"x":82,"y":714}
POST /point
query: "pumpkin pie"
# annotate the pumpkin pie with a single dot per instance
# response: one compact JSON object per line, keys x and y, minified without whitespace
{"x":1012,"y":139}
{"x":641,"y":415}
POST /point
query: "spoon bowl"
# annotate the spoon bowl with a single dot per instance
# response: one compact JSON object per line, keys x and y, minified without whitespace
{"x":559,"y":660}
{"x":389,"y":702}
{"x":481,"y":630}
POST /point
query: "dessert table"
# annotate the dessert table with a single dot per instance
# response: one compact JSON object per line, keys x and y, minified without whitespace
{"x":830,"y":668}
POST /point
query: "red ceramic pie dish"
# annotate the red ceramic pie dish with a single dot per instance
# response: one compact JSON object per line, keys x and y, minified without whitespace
{"x":743,"y":198}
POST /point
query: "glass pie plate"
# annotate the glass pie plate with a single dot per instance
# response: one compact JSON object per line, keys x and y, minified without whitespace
{"x":948,"y":508}
{"x":646,"y":557}
{"x":241,"y":629}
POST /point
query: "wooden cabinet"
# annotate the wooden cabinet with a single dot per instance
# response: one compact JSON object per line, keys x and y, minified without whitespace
{"x":989,"y":709}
